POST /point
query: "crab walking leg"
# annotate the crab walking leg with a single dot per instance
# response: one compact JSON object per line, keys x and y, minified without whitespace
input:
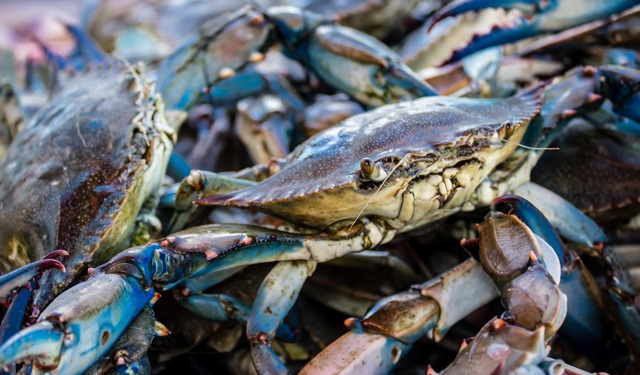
{"x":199,"y":184}
{"x":276,"y":296}
{"x":218,"y":307}
{"x":378,"y":341}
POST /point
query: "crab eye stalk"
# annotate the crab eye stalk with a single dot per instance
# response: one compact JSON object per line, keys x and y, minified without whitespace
{"x":372,"y":171}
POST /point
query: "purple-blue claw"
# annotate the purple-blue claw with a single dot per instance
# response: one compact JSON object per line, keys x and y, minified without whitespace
{"x":538,"y":16}
{"x":22,"y":275}
{"x":42,"y":341}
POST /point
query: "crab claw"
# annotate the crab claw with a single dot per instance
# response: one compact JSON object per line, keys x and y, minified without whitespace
{"x":42,"y":341}
{"x":583,"y":323}
{"x":462,"y":6}
{"x":22,"y":275}
{"x":622,"y":87}
{"x":81,"y":324}
{"x":536,"y":17}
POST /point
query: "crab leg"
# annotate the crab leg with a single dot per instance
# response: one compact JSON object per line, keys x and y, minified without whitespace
{"x":538,"y":17}
{"x":584,"y":322}
{"x":37,"y":341}
{"x":196,"y":65}
{"x":620,"y":291}
{"x":12,"y":321}
{"x":231,"y":90}
{"x":510,"y":253}
{"x":88,"y":317}
{"x":199,"y":184}
{"x":276,"y":297}
{"x":375,"y":73}
{"x":378,"y":341}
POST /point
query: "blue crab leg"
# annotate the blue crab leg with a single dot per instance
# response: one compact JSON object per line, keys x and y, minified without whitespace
{"x":584,"y":323}
{"x":261,"y":245}
{"x":264,"y":125}
{"x":178,"y":168}
{"x":570,"y":222}
{"x":276,"y":297}
{"x":229,"y":91}
{"x":538,"y":17}
{"x":12,"y":320}
{"x":509,"y":252}
{"x":86,"y":50}
{"x":22,"y":275}
{"x":622,"y":86}
{"x":223,"y":308}
{"x":218,"y":307}
{"x":197,"y":63}
{"x":577,"y":93}
{"x":347,"y":59}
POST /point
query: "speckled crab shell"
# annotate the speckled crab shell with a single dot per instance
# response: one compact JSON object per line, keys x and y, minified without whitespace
{"x":434,"y":151}
{"x":78,"y":174}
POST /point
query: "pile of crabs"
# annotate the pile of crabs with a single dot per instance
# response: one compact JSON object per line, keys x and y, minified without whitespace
{"x":324,"y":187}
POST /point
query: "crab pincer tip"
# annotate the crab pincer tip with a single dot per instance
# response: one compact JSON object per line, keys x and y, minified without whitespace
{"x":431,"y":371}
{"x":351,"y":322}
{"x":160,"y":329}
{"x":47,"y":264}
{"x":506,"y":203}
{"x":56,"y":254}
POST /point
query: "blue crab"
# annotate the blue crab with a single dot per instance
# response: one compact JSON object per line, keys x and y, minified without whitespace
{"x":83,"y":175}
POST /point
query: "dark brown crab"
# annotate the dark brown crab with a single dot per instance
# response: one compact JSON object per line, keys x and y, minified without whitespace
{"x":80,"y":172}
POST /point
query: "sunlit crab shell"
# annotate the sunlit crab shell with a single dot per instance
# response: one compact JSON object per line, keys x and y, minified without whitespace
{"x":408,"y":163}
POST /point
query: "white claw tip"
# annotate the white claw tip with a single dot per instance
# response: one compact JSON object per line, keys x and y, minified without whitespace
{"x":160,"y":329}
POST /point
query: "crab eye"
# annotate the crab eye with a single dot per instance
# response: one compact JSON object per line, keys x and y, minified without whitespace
{"x":371,"y":171}
{"x":367,"y":167}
